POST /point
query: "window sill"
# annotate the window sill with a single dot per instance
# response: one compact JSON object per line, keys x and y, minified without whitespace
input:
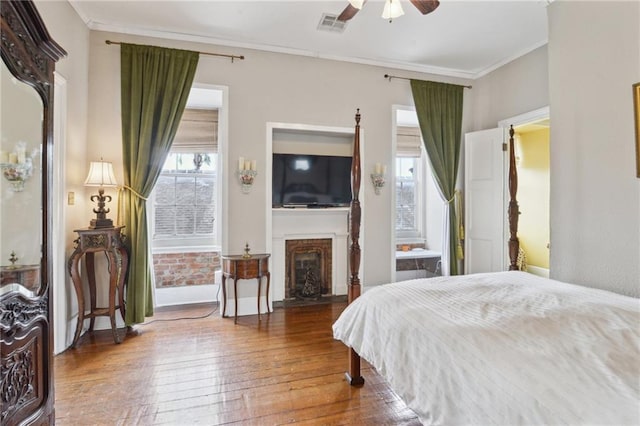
{"x":410,"y":240}
{"x":185,"y":249}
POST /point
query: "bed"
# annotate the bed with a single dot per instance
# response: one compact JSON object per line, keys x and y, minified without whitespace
{"x":498,"y":348}
{"x":501,"y":348}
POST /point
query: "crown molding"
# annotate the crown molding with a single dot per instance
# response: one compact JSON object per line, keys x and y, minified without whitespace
{"x":403,"y":66}
{"x":509,"y":59}
{"x":98,"y":26}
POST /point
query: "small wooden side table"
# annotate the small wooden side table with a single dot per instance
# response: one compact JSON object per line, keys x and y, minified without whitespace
{"x":89,"y":242}
{"x":239,"y":267}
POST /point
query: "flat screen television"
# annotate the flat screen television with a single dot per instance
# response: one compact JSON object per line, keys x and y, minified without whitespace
{"x":311,"y":180}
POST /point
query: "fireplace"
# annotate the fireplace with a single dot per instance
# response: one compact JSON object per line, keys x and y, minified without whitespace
{"x":308,"y":268}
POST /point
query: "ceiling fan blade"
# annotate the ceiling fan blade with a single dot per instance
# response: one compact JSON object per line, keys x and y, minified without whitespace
{"x":348,"y":13}
{"x":426,"y":6}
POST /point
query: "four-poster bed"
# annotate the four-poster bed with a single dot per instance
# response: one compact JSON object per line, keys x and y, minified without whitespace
{"x":494,"y":348}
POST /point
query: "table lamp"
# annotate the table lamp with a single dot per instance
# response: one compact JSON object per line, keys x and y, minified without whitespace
{"x":101,"y":175}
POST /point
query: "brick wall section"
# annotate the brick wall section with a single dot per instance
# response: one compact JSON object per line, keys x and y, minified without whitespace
{"x":180,"y":269}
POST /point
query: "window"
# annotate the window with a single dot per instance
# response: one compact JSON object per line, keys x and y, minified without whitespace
{"x":406,"y":196}
{"x":185,"y":196}
{"x":185,"y":199}
{"x":408,"y":181}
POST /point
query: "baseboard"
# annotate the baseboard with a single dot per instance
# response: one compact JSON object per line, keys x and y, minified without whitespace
{"x":189,"y":294}
{"x":246,"y":306}
{"x":186,"y":295}
{"x":171,"y":296}
{"x":536,"y":270}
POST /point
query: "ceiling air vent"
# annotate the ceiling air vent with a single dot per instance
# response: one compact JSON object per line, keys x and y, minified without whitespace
{"x":330,"y":22}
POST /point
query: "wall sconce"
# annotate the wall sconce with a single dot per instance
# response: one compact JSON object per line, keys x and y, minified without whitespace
{"x":378,"y":177}
{"x":16,"y":166}
{"x":101,"y":175}
{"x":247,"y":171}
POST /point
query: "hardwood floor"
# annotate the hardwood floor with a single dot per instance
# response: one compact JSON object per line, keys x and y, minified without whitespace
{"x":284,"y":369}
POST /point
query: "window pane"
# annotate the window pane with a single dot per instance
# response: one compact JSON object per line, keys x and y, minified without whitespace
{"x":165,"y":220}
{"x":185,"y":219}
{"x":406,"y":194}
{"x":405,"y":167}
{"x":205,"y":189}
{"x":185,"y":190}
{"x":170,"y":163}
{"x":204,"y":220}
{"x":185,"y":197}
{"x":165,"y":191}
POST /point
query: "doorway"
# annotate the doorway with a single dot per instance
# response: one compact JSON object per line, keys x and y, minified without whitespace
{"x":487,"y":195}
{"x":532,"y":164}
{"x":417,"y":208}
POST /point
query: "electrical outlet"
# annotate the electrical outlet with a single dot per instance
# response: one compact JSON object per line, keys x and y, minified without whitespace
{"x":71,"y":198}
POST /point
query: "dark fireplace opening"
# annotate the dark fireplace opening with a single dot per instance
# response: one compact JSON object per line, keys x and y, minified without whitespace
{"x":307,"y":275}
{"x":308,"y":269}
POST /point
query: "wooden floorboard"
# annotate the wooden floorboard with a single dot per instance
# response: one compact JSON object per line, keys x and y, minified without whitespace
{"x":285,"y":368}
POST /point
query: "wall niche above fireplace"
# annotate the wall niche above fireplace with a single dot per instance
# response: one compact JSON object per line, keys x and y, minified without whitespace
{"x":284,"y":223}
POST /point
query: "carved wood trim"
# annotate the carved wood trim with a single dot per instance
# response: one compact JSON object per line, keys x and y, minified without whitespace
{"x":18,"y":313}
{"x":27,"y":48}
{"x":514,"y":211}
{"x":19,"y":385}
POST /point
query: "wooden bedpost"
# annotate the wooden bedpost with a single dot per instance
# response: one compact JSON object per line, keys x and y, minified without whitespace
{"x":514,"y":211}
{"x":353,"y":375}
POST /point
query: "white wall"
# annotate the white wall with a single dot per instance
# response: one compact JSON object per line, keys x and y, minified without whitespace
{"x":70,"y":32}
{"x":594,"y":58}
{"x":585,"y":76}
{"x":513,"y":89}
{"x":268,"y":87}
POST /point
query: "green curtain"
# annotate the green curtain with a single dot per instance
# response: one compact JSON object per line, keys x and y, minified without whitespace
{"x":155,"y":84}
{"x":439,"y":110}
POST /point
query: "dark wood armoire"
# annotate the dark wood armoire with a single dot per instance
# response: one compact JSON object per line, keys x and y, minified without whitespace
{"x":26,"y":120}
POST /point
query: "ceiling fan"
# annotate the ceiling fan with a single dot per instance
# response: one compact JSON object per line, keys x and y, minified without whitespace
{"x":392,"y":8}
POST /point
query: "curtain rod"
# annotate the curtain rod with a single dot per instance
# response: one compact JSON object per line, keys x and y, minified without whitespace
{"x":389,"y":77}
{"x":201,"y":53}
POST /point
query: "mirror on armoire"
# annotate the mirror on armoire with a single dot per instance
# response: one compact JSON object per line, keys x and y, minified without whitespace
{"x":21,"y":185}
{"x":26,"y":113}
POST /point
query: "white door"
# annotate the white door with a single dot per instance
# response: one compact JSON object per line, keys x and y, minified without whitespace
{"x":485,"y":163}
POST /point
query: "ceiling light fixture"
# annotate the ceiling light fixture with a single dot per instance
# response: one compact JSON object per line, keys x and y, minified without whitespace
{"x":392,"y":9}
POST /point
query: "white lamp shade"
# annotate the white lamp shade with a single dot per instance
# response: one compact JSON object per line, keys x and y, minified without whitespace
{"x":356,"y":3}
{"x":392,"y":9}
{"x":100,"y":174}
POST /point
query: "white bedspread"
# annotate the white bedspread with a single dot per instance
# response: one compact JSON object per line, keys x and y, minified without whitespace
{"x":506,"y":348}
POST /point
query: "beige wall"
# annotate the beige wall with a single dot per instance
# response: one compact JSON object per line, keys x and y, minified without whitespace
{"x":70,"y":32}
{"x":594,"y":58}
{"x":585,"y":75}
{"x":516,"y":88}
{"x":532,"y":149}
{"x":269,"y":87}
